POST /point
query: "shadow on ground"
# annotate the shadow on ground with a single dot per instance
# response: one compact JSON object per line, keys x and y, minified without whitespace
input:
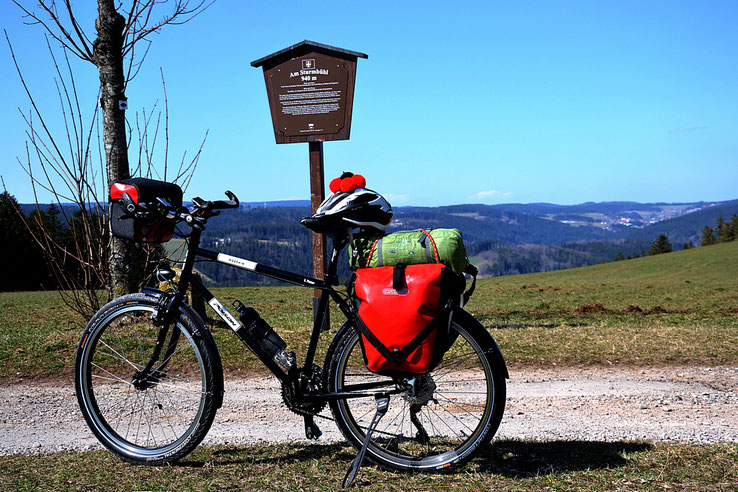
{"x":280,"y":453}
{"x":512,"y":458}
{"x":509,"y":458}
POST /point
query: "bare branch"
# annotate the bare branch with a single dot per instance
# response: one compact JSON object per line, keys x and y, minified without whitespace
{"x":166,"y":124}
{"x":85,"y":41}
{"x":189,"y":171}
{"x":139,"y":24}
{"x":79,"y":46}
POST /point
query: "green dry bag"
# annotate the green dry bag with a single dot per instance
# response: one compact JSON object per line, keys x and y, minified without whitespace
{"x":413,"y":247}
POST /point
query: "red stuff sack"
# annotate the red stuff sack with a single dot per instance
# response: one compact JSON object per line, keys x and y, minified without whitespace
{"x":399,"y":315}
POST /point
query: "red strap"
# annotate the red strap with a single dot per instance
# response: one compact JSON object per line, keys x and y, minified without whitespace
{"x":371,"y":252}
{"x":433,"y":242}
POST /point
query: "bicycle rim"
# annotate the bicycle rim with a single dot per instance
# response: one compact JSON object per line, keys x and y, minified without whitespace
{"x":149,"y":423}
{"x":441,"y":422}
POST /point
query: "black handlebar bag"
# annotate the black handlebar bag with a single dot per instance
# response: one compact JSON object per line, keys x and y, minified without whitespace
{"x":134,"y":209}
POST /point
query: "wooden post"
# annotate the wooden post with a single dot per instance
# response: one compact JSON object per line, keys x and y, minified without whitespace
{"x":317,"y":195}
{"x":310,"y":87}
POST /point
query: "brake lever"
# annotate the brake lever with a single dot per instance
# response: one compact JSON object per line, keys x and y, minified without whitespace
{"x":199,"y":202}
{"x":223,"y":204}
{"x":168,"y":208}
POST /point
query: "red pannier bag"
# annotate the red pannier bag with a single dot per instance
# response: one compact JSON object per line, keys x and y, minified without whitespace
{"x":400,"y":316}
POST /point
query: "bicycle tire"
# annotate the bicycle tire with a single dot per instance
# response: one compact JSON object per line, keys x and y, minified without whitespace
{"x":460,"y":416}
{"x":167,"y":417}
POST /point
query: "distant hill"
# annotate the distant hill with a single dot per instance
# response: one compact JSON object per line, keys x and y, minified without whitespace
{"x":613,"y":216}
{"x":27,"y":208}
{"x":502,"y":239}
{"x":543,"y":209}
{"x":685,"y":228}
{"x":278,"y":203}
{"x":485,"y":222}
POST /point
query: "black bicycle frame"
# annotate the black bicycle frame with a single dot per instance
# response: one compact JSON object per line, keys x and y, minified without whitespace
{"x":326,"y":285}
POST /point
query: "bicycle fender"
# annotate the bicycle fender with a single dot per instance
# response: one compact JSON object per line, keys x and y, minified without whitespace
{"x":464,"y":317}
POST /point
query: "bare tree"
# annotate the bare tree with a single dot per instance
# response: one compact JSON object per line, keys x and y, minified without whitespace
{"x":78,"y":164}
{"x":123,"y":31}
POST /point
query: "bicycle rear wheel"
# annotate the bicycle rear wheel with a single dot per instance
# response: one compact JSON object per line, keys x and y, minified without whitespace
{"x":149,"y":418}
{"x":447,"y":416}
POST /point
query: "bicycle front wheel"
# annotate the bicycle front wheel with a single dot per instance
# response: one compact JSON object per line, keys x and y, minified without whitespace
{"x":447,"y":416}
{"x":154,"y":416}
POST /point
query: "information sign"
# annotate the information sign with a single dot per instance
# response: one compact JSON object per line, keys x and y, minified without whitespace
{"x":310,"y":87}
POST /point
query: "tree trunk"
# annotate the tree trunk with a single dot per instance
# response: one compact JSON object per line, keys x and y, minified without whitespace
{"x":108,"y":56}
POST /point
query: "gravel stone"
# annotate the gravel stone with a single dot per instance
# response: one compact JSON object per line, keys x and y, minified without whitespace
{"x":684,"y":404}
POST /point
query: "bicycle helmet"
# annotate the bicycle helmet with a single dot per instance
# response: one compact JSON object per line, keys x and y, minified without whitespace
{"x":361,"y":208}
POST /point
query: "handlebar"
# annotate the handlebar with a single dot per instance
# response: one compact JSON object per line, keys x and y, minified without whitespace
{"x":195,"y":216}
{"x":217,"y":204}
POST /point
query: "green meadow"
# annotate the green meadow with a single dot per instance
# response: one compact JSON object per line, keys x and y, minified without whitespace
{"x":674,"y":309}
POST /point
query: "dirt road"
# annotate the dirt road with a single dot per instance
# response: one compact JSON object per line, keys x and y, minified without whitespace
{"x":687,"y":404}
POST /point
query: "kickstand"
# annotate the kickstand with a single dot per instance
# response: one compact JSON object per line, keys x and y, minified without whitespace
{"x":311,"y":429}
{"x":382,"y":404}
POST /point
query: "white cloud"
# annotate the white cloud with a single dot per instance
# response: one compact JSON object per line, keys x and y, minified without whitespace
{"x":486,"y":194}
{"x":690,"y":129}
{"x":392,"y":198}
{"x":489,"y":194}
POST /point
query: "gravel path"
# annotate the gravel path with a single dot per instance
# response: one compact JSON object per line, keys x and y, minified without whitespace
{"x":684,"y":404}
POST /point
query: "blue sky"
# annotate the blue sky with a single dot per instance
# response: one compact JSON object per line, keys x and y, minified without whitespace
{"x":458,"y":102}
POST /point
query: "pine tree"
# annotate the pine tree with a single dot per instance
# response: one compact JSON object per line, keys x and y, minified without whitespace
{"x":20,"y":256}
{"x":688,"y":245}
{"x":724,"y":230}
{"x":53,"y":223}
{"x":619,"y":257}
{"x":708,"y":236}
{"x":660,"y":246}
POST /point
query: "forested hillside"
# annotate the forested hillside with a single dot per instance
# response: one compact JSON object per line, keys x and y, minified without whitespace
{"x":687,"y":227}
{"x":501,"y":239}
{"x":484,"y":222}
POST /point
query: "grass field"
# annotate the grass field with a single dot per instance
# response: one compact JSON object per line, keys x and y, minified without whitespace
{"x":506,"y":466}
{"x":679,"y":308}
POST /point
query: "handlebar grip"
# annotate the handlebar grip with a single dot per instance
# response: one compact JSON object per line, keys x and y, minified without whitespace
{"x":231,"y":203}
{"x":128,"y":203}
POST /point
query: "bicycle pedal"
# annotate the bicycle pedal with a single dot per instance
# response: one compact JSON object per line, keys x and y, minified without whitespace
{"x":312,"y":431}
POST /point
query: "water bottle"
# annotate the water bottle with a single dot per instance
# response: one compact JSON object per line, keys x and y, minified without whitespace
{"x":268,"y":339}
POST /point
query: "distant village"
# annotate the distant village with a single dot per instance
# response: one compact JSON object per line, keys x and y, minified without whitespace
{"x":639,"y":219}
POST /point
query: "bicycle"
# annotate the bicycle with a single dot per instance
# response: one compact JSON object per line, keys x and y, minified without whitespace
{"x":149,"y":378}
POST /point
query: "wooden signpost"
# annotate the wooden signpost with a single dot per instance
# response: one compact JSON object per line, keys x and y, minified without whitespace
{"x":310,"y":87}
